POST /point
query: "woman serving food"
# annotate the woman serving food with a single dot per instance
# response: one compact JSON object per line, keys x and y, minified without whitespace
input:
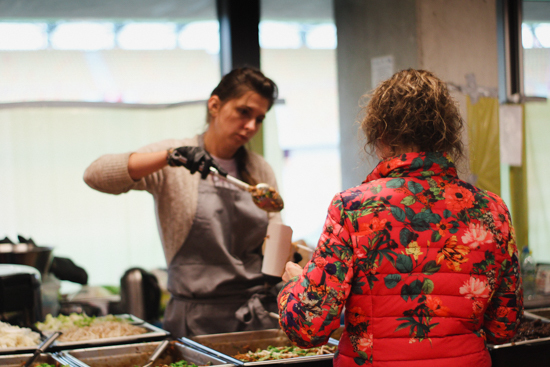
{"x":211,"y":230}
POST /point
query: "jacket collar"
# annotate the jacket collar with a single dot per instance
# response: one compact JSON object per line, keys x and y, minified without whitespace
{"x":423,"y":164}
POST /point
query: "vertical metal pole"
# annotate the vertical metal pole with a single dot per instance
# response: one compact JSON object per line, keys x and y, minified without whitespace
{"x":513,"y":48}
{"x":240,"y":43}
{"x":239,"y":37}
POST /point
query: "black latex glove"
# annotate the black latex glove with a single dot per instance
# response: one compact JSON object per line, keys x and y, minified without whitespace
{"x":194,"y":159}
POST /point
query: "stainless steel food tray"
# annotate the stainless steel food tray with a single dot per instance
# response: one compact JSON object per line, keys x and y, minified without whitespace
{"x":229,"y":344}
{"x":153,"y":334}
{"x":18,"y":350}
{"x":22,"y":350}
{"x":532,"y":315}
{"x":20,"y":359}
{"x":129,"y":355}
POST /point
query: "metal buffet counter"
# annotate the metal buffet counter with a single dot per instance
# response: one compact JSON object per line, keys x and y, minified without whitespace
{"x":205,"y":350}
{"x":531,"y":348}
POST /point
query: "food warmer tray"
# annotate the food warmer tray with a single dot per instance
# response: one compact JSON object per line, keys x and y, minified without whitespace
{"x":20,"y":359}
{"x":532,"y":353}
{"x":137,"y":355}
{"x":153,"y":334}
{"x":23,"y":350}
{"x":226,"y":345}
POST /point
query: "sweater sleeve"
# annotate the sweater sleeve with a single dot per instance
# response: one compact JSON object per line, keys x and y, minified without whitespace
{"x":310,"y":305}
{"x":506,"y":306}
{"x":109,"y":173}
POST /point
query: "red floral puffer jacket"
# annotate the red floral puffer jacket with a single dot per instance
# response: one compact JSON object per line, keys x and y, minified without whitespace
{"x":425,"y":264}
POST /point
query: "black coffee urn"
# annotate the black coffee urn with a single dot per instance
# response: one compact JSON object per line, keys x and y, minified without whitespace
{"x":20,"y":297}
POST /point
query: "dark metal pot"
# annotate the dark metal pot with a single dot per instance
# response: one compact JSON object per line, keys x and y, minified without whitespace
{"x":27,"y":254}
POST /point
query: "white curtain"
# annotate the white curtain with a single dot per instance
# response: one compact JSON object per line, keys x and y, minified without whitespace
{"x":43,"y":155}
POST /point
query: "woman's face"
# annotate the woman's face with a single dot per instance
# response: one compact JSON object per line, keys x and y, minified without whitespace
{"x":235,"y":122}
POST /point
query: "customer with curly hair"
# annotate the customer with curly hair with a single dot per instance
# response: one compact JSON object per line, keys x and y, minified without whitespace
{"x":425,"y":264}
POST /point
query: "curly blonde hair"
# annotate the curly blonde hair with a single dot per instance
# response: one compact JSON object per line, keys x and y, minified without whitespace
{"x":413,"y":110}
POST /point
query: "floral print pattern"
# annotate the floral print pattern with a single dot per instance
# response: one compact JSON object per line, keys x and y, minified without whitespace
{"x":420,"y":260}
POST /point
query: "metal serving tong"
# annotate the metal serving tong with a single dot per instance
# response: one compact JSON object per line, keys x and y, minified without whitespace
{"x":157,"y":352}
{"x":42,"y":347}
{"x":264,"y":196}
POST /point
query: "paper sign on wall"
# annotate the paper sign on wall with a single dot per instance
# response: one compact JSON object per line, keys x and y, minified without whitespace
{"x":381,"y":69}
{"x":511,"y":134}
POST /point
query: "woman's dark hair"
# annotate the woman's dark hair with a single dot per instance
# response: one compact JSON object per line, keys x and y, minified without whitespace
{"x":241,"y":80}
{"x":414,"y":109}
{"x":233,"y":85}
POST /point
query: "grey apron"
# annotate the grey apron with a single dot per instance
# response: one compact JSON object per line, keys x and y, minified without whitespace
{"x":214,"y":278}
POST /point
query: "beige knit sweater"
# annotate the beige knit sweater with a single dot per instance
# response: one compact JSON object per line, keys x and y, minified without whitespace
{"x":175,"y":189}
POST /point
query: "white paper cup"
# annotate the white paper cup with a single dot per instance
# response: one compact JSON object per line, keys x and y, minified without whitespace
{"x":277,"y":250}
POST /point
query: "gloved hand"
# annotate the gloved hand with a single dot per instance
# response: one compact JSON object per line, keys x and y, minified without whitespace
{"x":194,"y":159}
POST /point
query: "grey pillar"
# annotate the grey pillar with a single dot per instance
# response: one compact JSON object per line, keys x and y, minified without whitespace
{"x":367,"y":29}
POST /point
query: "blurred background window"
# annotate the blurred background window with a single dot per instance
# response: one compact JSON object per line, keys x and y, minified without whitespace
{"x":149,"y":60}
{"x":86,"y":36}
{"x":200,"y":36}
{"x":536,"y":48}
{"x":147,"y":36}
{"x":23,"y":36}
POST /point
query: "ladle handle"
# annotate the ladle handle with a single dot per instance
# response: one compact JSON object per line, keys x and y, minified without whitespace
{"x":158,"y":351}
{"x":233,"y":180}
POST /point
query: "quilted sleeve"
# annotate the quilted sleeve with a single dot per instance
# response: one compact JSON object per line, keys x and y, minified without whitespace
{"x":506,"y":306}
{"x":310,"y":305}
